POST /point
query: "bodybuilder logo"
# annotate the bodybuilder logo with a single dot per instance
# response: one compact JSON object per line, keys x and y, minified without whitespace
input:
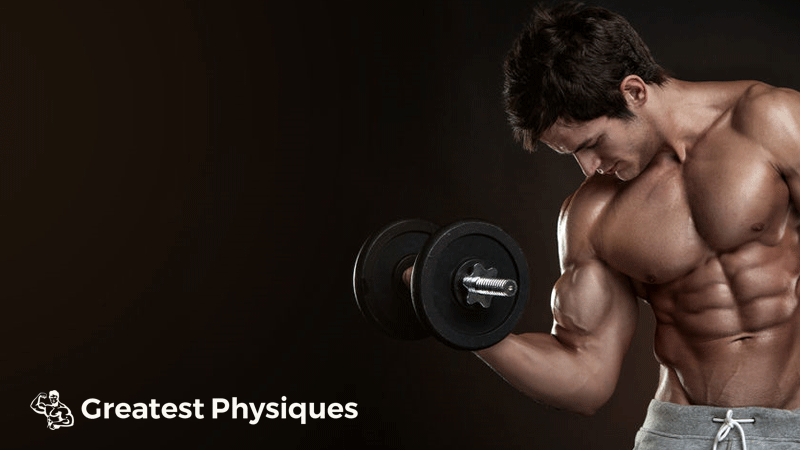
{"x":57,"y":413}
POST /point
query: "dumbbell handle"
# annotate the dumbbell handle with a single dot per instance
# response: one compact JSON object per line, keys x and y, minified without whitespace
{"x":482,"y":284}
{"x":480,"y":289}
{"x":495,"y":287}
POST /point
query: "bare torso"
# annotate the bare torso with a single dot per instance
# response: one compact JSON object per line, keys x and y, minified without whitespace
{"x":712,"y":244}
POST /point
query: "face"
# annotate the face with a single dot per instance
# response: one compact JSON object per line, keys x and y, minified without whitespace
{"x":53,"y":398}
{"x":605,"y":145}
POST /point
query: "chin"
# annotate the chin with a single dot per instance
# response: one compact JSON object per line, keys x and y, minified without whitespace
{"x":627,"y":174}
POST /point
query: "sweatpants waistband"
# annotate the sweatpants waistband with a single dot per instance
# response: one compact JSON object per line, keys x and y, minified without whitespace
{"x":670,"y":418}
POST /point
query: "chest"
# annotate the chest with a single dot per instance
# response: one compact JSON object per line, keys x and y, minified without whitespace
{"x":675,"y":215}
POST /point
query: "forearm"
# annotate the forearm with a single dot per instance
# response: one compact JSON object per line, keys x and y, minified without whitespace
{"x":36,"y":404}
{"x":548,"y":371}
{"x":65,"y":421}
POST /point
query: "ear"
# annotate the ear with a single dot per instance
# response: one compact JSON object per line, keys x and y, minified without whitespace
{"x":634,"y":89}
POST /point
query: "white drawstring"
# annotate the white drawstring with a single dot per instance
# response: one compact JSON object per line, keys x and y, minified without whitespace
{"x":727,"y":425}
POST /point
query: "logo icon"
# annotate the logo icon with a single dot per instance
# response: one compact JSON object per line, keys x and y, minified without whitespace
{"x":57,"y":413}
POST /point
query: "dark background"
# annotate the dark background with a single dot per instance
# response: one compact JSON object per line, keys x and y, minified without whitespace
{"x":185,"y":187}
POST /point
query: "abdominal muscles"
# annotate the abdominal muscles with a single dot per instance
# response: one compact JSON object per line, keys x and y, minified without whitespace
{"x":727,"y":333}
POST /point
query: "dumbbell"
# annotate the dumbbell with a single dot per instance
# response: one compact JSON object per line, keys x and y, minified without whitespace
{"x":468,"y":288}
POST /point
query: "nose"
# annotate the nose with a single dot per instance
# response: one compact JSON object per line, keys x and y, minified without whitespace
{"x":588,"y":161}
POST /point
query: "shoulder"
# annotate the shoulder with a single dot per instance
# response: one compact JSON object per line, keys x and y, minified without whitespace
{"x":580,"y":214}
{"x":768,"y":115}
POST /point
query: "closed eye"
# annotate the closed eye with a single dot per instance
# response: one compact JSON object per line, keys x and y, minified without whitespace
{"x":585,"y":147}
{"x":596,"y":142}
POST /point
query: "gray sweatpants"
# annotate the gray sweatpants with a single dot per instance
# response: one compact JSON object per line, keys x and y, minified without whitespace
{"x":676,"y":427}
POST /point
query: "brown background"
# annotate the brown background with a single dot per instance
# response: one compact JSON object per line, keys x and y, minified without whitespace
{"x":185,"y":187}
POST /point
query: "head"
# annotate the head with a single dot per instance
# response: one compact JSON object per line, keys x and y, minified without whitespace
{"x":570,"y":66}
{"x":53,"y":396}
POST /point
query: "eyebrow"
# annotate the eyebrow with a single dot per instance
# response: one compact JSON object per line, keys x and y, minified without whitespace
{"x":582,"y":145}
{"x":585,"y":143}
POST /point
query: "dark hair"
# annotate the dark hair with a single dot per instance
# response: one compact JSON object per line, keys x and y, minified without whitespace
{"x":568,"y":63}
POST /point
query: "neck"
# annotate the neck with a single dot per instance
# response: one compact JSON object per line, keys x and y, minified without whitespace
{"x":683,"y":111}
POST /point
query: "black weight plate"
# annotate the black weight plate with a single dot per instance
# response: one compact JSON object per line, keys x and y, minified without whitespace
{"x":381,"y":295}
{"x":450,"y":320}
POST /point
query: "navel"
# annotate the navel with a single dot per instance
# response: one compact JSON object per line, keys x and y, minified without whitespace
{"x":650,"y":278}
{"x":758,"y":226}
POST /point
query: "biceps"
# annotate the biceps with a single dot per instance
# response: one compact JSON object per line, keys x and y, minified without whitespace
{"x":594,"y":308}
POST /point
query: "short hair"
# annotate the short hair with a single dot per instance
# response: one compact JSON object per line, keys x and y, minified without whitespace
{"x":568,"y":64}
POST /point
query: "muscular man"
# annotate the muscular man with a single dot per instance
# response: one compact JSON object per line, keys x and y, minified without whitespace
{"x":58,"y":414}
{"x":690,"y":203}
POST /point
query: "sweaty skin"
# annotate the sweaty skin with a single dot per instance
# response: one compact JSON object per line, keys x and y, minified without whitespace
{"x":696,"y":212}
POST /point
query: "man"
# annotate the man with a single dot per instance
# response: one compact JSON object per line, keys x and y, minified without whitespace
{"x":58,"y":414}
{"x":690,"y":203}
